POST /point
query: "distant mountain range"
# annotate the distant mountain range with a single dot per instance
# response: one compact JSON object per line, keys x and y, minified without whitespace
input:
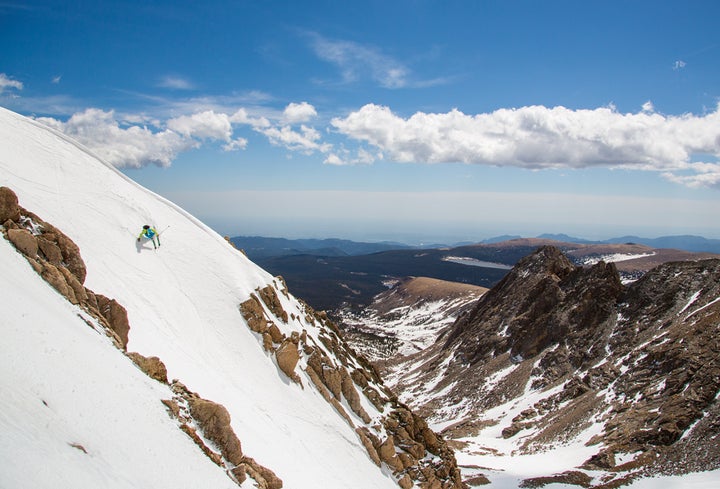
{"x":338,"y":274}
{"x":258,"y":247}
{"x":684,"y":242}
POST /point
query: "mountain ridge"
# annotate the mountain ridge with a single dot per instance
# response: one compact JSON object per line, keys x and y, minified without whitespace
{"x":260,"y":247}
{"x":559,"y":354}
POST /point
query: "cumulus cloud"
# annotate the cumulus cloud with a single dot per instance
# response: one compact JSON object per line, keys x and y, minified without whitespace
{"x":203,"y":125}
{"x":7,"y":82}
{"x":356,"y":60}
{"x":131,"y":146}
{"x":306,"y":140}
{"x":241,"y":116}
{"x":136,"y":140}
{"x":302,"y":112}
{"x":538,"y":137}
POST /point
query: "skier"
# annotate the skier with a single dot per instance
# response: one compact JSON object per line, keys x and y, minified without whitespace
{"x":150,"y":233}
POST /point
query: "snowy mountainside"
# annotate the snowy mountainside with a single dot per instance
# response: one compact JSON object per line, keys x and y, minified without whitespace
{"x":562,"y":374}
{"x":184,"y":305}
{"x":407,"y":318}
{"x":74,"y":412}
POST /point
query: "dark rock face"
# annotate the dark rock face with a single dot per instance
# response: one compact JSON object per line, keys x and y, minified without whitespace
{"x":545,"y":300}
{"x":642,"y":360}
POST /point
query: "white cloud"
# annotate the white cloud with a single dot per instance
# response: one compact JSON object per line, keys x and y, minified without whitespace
{"x":301,"y":112}
{"x":333,"y":159}
{"x":6,"y":82}
{"x":176,"y":83}
{"x":206,"y":125}
{"x":136,"y":140}
{"x":56,"y":79}
{"x":241,"y":116}
{"x":236,"y":144}
{"x":307,"y":140}
{"x":538,"y":137}
{"x":356,"y":60}
{"x":706,"y":175}
{"x":344,"y":158}
{"x":132,"y":146}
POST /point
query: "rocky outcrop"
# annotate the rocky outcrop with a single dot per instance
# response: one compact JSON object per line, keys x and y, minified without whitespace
{"x":212,"y":420}
{"x":152,"y":366}
{"x":9,"y":208}
{"x":288,"y":356}
{"x":116,"y":317}
{"x":56,"y":258}
{"x":391,"y":433}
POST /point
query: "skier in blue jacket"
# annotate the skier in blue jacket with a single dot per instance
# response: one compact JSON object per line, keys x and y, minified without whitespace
{"x":150,"y":233}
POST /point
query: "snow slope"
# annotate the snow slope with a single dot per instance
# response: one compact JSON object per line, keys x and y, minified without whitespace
{"x":182,"y":303}
{"x":74,"y":411}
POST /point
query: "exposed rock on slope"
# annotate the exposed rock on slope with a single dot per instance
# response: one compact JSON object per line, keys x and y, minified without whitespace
{"x":390,"y":432}
{"x":56,"y":258}
{"x":630,"y":371}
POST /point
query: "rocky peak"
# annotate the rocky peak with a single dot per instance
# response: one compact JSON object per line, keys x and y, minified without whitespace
{"x":545,"y":300}
{"x":567,"y":353}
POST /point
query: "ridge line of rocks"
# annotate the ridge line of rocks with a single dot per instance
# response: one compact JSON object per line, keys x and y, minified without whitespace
{"x":401,"y":440}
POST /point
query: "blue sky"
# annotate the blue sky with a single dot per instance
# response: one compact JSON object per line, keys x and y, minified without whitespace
{"x":408,"y":120}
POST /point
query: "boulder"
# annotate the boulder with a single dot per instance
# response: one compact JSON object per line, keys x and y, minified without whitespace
{"x":352,"y":396}
{"x":8,"y":205}
{"x":388,"y":455}
{"x":71,"y":257}
{"x":152,"y":366}
{"x":74,"y":284}
{"x":116,"y":316}
{"x":52,"y":275}
{"x":254,"y":314}
{"x":366,"y":439}
{"x":271,"y":300}
{"x":275,"y":333}
{"x":50,"y":249}
{"x":265,"y":477}
{"x":214,"y":421}
{"x":24,"y":241}
{"x":288,"y":356}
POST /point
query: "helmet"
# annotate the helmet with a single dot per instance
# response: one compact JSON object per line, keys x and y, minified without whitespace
{"x":146,"y":226}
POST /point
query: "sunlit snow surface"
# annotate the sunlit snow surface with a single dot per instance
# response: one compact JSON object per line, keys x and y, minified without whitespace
{"x":614,"y":258}
{"x":182,"y":303}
